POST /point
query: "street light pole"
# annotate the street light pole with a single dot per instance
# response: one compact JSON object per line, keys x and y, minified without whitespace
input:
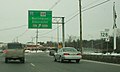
{"x":80,"y":25}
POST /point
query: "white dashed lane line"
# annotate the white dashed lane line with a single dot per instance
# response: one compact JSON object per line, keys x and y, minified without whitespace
{"x":32,"y":64}
{"x":1,"y":54}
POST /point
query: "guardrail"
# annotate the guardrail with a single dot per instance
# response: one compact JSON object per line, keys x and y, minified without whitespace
{"x":103,"y":58}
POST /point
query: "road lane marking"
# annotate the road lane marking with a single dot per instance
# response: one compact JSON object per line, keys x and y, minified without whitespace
{"x":102,"y":62}
{"x":32,"y":64}
{"x":2,"y":54}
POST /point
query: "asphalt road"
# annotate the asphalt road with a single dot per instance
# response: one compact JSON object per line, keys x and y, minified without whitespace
{"x":42,"y":62}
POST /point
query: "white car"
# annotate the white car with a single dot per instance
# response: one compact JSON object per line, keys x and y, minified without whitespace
{"x":67,"y":53}
{"x":27,"y":51}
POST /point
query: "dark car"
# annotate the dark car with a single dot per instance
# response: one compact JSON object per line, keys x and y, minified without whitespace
{"x":52,"y":52}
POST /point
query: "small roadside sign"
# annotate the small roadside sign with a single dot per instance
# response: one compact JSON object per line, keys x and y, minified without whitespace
{"x":104,"y":34}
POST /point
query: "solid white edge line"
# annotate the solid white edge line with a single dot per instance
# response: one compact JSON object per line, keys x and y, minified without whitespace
{"x":32,"y":64}
{"x":101,"y":62}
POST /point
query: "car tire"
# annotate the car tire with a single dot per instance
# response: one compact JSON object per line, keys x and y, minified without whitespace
{"x":69,"y":60}
{"x":6,"y":60}
{"x":22,"y":60}
{"x":77,"y":61}
{"x":55,"y":60}
{"x":61,"y":60}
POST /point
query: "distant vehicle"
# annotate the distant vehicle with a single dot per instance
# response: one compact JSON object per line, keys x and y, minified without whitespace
{"x":1,"y":51}
{"x":27,"y":51}
{"x":14,"y":51}
{"x":67,"y":53}
{"x":52,"y":52}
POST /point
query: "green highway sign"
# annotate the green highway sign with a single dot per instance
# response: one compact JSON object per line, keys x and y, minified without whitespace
{"x":39,"y":19}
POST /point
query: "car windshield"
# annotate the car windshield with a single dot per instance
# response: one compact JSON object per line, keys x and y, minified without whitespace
{"x":69,"y":50}
{"x":14,"y":46}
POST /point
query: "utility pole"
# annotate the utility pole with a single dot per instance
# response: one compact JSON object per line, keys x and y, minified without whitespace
{"x":114,"y":25}
{"x":63,"y":32}
{"x":80,"y":26}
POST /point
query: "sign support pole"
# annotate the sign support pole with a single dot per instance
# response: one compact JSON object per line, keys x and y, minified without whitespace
{"x":61,"y":21}
{"x":36,"y":38}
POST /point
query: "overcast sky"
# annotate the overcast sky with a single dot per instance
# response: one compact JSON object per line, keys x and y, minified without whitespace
{"x":14,"y":13}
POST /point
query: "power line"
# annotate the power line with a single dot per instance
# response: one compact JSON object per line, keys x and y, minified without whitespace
{"x":50,"y":31}
{"x":48,"y":37}
{"x":55,"y":4}
{"x":22,"y":33}
{"x":72,"y":17}
{"x":54,"y":19}
{"x":90,"y":4}
{"x":25,"y":25}
{"x":96,"y":5}
{"x":11,"y":28}
{"x":86,"y":10}
{"x":43,"y":35}
{"x":85,"y":7}
{"x":59,"y":20}
{"x":76,"y":15}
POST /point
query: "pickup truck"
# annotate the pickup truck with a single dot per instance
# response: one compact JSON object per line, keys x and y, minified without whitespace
{"x":14,"y":51}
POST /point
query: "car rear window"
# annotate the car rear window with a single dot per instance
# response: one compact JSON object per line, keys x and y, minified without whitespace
{"x":69,"y":50}
{"x":14,"y":46}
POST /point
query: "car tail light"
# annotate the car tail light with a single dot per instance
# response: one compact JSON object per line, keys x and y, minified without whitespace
{"x":5,"y":51}
{"x":78,"y":54}
{"x":14,"y":51}
{"x":66,"y":53}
